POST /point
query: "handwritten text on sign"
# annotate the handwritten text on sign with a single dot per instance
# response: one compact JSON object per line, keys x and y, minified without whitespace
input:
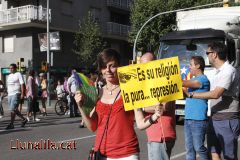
{"x":147,"y":84}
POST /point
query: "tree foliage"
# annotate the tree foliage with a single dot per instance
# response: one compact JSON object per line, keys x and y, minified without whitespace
{"x":142,"y":10}
{"x":88,"y":41}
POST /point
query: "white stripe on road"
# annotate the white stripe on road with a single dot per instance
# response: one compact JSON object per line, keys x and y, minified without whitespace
{"x":183,"y":153}
{"x":81,"y":138}
{"x":75,"y":139}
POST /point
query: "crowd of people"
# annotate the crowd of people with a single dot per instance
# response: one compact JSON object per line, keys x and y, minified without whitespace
{"x":16,"y":89}
{"x":115,"y":134}
{"x":35,"y":90}
{"x":116,"y":138}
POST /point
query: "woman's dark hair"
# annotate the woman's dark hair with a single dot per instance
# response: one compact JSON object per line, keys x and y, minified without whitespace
{"x":106,"y":56}
{"x":199,"y":60}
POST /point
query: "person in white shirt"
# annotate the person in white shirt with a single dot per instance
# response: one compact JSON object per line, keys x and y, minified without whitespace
{"x":15,"y":88}
{"x":73,"y":86}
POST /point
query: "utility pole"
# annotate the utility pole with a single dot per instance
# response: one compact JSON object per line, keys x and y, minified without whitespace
{"x":48,"y":56}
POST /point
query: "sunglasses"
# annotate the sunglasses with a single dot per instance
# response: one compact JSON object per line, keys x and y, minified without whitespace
{"x":207,"y":53}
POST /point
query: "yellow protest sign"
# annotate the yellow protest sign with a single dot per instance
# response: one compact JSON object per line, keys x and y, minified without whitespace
{"x":147,"y":84}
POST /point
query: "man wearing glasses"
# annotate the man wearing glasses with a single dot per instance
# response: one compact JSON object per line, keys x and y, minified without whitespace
{"x":15,"y":87}
{"x":224,"y":123}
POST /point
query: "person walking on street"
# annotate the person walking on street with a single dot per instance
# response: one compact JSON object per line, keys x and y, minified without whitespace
{"x":224,"y":123}
{"x":44,"y":92}
{"x":16,"y":88}
{"x":2,"y":91}
{"x":159,"y":122}
{"x":73,"y":86}
{"x":32,"y":96}
{"x":195,"y":124}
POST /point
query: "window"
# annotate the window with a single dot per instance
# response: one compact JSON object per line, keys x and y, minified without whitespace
{"x":119,"y":18}
{"x":96,"y":14}
{"x":8,"y":44}
{"x":66,"y":7}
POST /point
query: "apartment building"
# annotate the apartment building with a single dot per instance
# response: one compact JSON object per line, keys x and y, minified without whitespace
{"x":22,"y":21}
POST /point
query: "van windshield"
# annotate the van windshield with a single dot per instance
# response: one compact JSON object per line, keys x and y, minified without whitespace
{"x":183,"y":51}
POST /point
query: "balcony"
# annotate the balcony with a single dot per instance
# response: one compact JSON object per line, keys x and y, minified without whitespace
{"x":23,"y":14}
{"x":121,"y":4}
{"x":117,"y":30}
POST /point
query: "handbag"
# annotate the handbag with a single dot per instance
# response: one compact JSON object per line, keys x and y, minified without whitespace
{"x":97,"y":155}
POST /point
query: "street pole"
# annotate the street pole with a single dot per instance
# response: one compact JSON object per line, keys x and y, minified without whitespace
{"x":48,"y":56}
{"x":51,"y":64}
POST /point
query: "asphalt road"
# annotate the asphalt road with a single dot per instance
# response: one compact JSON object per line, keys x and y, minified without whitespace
{"x":75,"y":141}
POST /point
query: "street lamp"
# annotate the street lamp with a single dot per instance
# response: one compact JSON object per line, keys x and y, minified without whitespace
{"x":48,"y":56}
{"x":135,"y":41}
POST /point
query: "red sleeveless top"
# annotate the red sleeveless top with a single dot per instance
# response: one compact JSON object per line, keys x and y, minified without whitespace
{"x":119,"y":139}
{"x":154,"y":132}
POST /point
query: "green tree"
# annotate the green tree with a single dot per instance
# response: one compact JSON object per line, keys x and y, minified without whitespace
{"x":88,"y":41}
{"x":142,"y":10}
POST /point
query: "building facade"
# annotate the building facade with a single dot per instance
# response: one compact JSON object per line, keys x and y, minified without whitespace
{"x":21,"y":22}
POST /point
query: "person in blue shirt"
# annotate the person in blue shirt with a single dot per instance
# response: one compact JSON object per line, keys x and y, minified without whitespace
{"x":195,"y":124}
